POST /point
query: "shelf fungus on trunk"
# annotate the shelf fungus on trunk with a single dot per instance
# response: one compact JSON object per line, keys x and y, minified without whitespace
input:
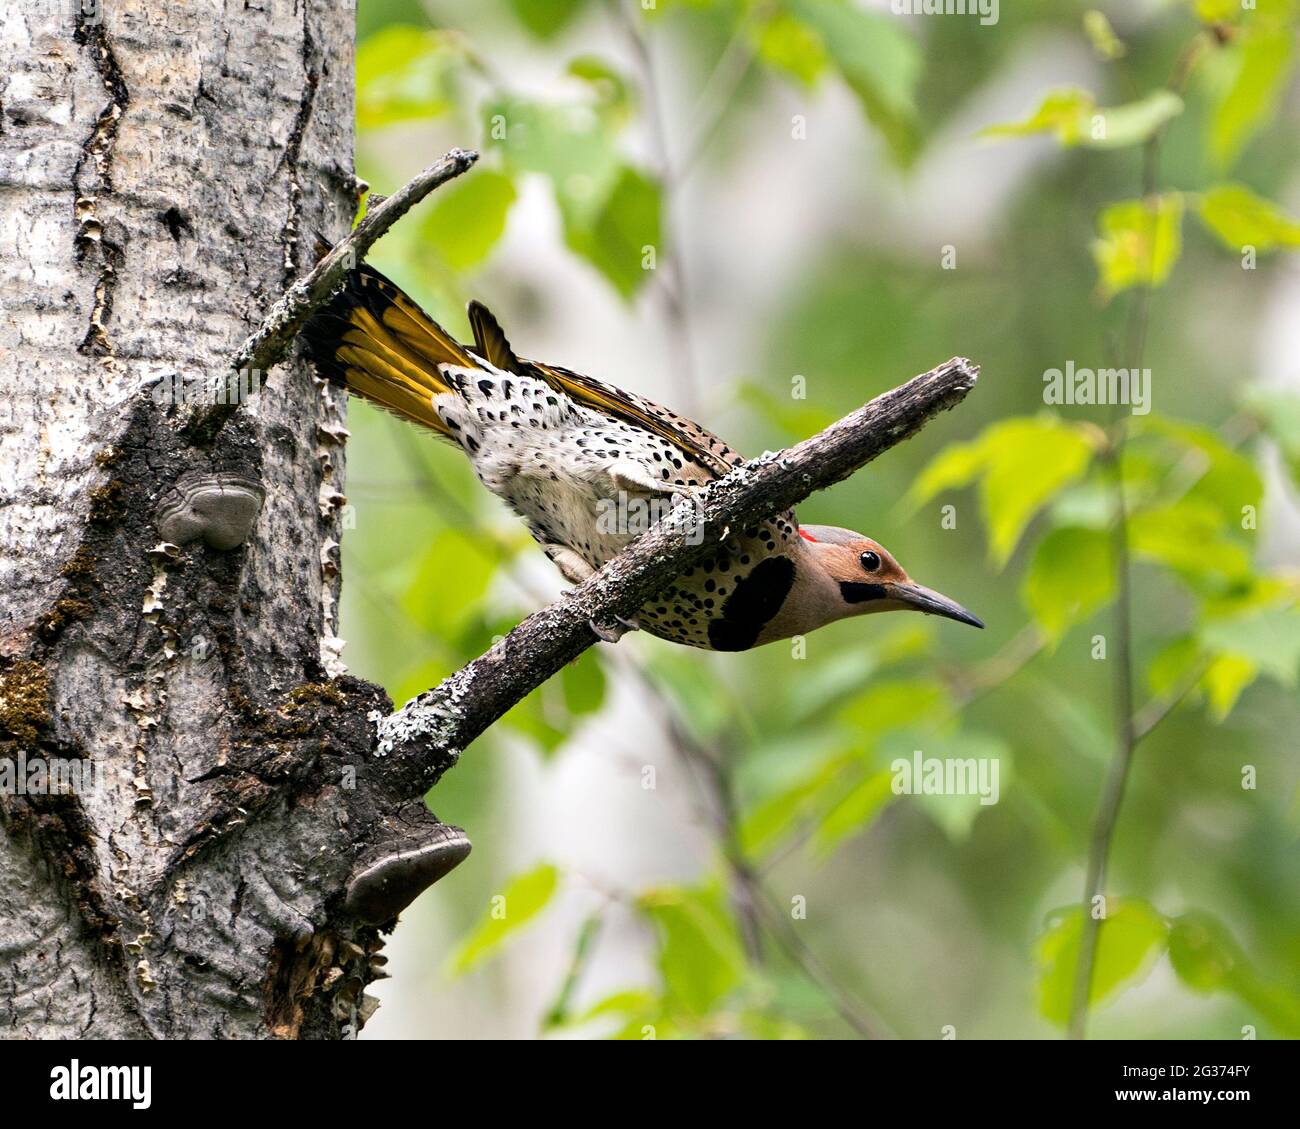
{"x":220,"y":507}
{"x":419,"y":851}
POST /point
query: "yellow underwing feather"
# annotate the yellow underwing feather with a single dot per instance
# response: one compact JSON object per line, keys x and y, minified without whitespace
{"x":383,"y":347}
{"x":410,"y":323}
{"x":377,"y":341}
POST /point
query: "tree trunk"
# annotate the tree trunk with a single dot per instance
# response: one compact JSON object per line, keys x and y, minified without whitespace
{"x":163,"y":168}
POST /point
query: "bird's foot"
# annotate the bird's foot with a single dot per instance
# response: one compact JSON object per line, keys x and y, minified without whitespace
{"x":613,"y":632}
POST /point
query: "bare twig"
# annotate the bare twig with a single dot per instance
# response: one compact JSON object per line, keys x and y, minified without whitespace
{"x":671,"y":276}
{"x":425,"y":737}
{"x":718,"y":786}
{"x":558,"y":1013}
{"x":752,"y":903}
{"x":1159,"y":708}
{"x":719,"y":91}
{"x":269,"y":344}
{"x":1126,"y":738}
{"x":799,"y":951}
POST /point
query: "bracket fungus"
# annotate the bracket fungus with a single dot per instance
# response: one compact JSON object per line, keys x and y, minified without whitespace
{"x":219,"y":507}
{"x":389,"y":877}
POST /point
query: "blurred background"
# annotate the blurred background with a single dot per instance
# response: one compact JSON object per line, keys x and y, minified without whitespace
{"x":763,"y":213}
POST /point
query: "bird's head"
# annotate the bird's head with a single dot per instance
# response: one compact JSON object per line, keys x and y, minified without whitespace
{"x":854,"y":575}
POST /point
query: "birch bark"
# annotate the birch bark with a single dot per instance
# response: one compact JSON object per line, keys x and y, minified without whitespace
{"x":162,"y":170}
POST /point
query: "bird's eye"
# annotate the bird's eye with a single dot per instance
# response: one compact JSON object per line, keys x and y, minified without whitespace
{"x":870,"y":561}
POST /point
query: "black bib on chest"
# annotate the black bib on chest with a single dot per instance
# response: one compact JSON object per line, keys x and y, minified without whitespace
{"x":757,"y":598}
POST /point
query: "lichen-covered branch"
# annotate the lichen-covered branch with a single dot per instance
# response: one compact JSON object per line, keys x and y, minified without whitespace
{"x":424,"y":737}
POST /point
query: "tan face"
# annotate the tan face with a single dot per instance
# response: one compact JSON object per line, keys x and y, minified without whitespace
{"x":870,"y":580}
{"x":861,"y":561}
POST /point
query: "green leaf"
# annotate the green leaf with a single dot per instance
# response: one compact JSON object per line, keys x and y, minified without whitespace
{"x":631,"y":1001}
{"x":1022,"y":464}
{"x":792,"y":47}
{"x":583,"y":681}
{"x":1133,"y":123}
{"x":1075,"y":118}
{"x":1188,"y":538}
{"x":1217,"y":11}
{"x":1228,"y":481}
{"x":1090,"y":504}
{"x":758,"y":1024}
{"x":1071,"y":575}
{"x":1173,"y":663}
{"x":570,"y":143}
{"x":976,"y":756}
{"x":1130,"y":939}
{"x":852,"y":812}
{"x":1239,"y":218}
{"x":623,"y":234}
{"x":1268,"y":638}
{"x":957,"y":465}
{"x":524,"y":898}
{"x":1100,"y":33}
{"x":1255,"y":593}
{"x":1027,"y":462}
{"x":880,"y":61}
{"x":768,"y":821}
{"x":442,"y":599}
{"x":611,"y":210}
{"x":1264,"y":54}
{"x":1062,"y":112}
{"x":636,"y":1007}
{"x":613,"y":97}
{"x":1226,"y":485}
{"x":561,"y":1009}
{"x":843,"y":674}
{"x":1207,"y":959}
{"x":1140,"y":241}
{"x":1224,"y":680}
{"x":700,"y":955}
{"x":404,"y":73}
{"x":1279,"y":415}
{"x":888,"y":704}
{"x":543,"y":717}
{"x":1202,"y":953}
{"x":468,"y":217}
{"x":545,"y":18}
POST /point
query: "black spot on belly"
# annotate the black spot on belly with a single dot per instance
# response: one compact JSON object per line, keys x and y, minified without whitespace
{"x":757,"y":598}
{"x":855,"y":593}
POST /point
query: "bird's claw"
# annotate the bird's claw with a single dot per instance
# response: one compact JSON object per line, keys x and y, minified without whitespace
{"x":613,"y":632}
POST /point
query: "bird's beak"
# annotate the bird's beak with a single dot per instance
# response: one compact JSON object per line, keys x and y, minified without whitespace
{"x":927,"y":600}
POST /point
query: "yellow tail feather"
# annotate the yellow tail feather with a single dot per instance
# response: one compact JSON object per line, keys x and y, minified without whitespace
{"x":383,"y":347}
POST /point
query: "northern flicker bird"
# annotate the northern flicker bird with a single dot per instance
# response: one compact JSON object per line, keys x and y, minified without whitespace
{"x":563,"y":450}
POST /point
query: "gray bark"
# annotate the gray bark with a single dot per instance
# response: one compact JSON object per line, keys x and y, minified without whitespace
{"x":162,"y":168}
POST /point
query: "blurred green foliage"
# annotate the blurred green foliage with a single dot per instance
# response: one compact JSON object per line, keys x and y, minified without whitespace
{"x":942,"y":911}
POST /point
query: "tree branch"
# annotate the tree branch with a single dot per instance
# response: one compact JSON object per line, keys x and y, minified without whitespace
{"x":270,"y":343}
{"x":425,"y":737}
